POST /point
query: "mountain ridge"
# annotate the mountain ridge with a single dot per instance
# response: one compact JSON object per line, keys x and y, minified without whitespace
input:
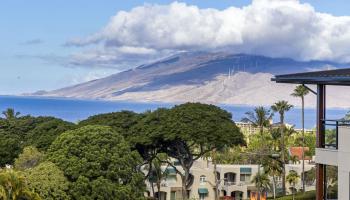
{"x":168,"y":79}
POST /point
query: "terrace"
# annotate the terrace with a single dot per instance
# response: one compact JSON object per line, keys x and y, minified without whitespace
{"x":332,"y":136}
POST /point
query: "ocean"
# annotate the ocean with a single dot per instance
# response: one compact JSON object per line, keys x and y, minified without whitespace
{"x":75,"y":110}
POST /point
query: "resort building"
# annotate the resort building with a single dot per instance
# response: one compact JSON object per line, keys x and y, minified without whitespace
{"x":247,"y":128}
{"x":235,"y":181}
{"x":332,"y":135}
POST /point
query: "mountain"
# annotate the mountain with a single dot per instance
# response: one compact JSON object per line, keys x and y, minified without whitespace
{"x":198,"y":76}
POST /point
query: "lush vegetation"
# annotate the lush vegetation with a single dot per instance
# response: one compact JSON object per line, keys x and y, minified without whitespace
{"x":107,"y":156}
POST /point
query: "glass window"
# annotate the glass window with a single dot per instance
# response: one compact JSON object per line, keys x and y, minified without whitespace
{"x":245,"y":177}
{"x":202,"y":179}
{"x":173,"y":196}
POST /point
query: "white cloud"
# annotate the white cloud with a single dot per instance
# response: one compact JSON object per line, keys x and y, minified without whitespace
{"x":277,"y":28}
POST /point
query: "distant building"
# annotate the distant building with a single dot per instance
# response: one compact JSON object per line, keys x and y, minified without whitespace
{"x":298,"y":152}
{"x":247,"y":128}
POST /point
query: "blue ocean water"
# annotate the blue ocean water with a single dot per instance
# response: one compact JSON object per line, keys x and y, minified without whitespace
{"x":74,"y":110}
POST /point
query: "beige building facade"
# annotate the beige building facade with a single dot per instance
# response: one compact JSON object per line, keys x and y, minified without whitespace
{"x":234,"y":182}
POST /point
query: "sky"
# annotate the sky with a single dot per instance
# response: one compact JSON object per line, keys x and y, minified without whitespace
{"x":47,"y":45}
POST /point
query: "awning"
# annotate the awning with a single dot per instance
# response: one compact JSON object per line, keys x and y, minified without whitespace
{"x":203,"y":191}
{"x":170,"y":171}
{"x":246,"y":170}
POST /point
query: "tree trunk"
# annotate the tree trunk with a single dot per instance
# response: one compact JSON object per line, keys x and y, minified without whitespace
{"x":184,"y":179}
{"x":152,"y":187}
{"x":274,"y":186}
{"x":282,"y":155}
{"x":184,"y":188}
{"x":158,"y":188}
{"x":259,"y":176}
{"x":303,"y":145}
{"x":215,"y":176}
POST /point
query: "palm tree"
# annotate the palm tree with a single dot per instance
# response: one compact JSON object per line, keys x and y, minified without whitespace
{"x":301,"y":91}
{"x":281,"y":107}
{"x":157,"y":173}
{"x":13,"y":187}
{"x":10,"y":114}
{"x":261,"y":182}
{"x":273,"y":167}
{"x":292,"y":179}
{"x":260,"y":118}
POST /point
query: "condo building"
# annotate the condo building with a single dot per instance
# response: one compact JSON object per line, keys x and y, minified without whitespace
{"x":332,"y":135}
{"x":234,"y":181}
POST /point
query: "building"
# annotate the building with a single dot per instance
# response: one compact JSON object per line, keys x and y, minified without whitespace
{"x":247,"y":128}
{"x":330,"y":153}
{"x":234,"y":181}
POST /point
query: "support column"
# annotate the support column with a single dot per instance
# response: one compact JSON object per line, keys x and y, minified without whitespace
{"x":320,"y":139}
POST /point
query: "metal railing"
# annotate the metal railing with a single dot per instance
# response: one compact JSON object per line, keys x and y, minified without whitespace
{"x":331,"y":132}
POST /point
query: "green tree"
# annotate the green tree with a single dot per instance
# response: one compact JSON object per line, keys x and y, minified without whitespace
{"x":99,"y":164}
{"x":122,"y":121}
{"x":10,"y":148}
{"x":273,"y":167}
{"x":260,"y":118}
{"x":45,"y":132}
{"x":261,"y":182}
{"x":292,"y":179}
{"x":27,"y":131}
{"x":13,"y":187}
{"x":281,"y":107}
{"x":10,"y":114}
{"x":186,"y":132}
{"x":301,"y":91}
{"x":29,"y":158}
{"x":157,"y":172}
{"x":48,"y":181}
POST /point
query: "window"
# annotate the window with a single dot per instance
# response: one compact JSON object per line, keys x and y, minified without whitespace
{"x":173,"y":195}
{"x":245,"y":177}
{"x":202,"y":179}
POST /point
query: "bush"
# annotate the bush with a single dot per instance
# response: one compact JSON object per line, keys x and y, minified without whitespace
{"x":311,"y":195}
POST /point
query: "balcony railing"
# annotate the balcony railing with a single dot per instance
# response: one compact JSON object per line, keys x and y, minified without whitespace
{"x":330,"y":128}
{"x":229,"y":183}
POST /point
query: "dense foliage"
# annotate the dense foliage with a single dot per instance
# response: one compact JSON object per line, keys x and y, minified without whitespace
{"x":102,"y":157}
{"x":18,"y":132}
{"x":121,"y":121}
{"x":29,"y":158}
{"x":99,"y":164}
{"x":185,"y":132}
{"x":48,"y":181}
{"x":13,"y":186}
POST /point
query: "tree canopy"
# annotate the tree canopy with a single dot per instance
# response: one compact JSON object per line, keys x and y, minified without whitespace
{"x":121,"y":121}
{"x":29,"y":158}
{"x":186,"y":132}
{"x":48,"y":181}
{"x":99,"y":164}
{"x":25,"y":131}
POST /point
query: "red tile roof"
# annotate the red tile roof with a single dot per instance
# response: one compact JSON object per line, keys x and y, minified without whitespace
{"x":298,"y":152}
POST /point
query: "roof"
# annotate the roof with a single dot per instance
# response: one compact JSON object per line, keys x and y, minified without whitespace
{"x":327,"y":77}
{"x":298,"y":152}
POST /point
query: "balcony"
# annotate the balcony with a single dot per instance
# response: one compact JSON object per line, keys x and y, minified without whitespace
{"x":331,"y":133}
{"x":334,"y":131}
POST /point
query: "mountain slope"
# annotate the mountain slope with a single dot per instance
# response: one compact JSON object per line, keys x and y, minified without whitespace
{"x":197,"y":76}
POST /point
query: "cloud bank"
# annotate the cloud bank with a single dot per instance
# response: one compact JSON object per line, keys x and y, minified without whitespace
{"x":276,"y":28}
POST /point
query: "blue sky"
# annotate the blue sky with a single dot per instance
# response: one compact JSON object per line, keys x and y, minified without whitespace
{"x":33,"y":54}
